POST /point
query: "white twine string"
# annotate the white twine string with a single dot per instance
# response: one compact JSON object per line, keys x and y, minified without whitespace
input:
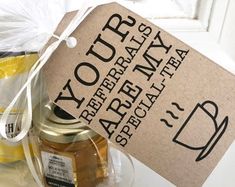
{"x":27,"y":115}
{"x":85,"y":9}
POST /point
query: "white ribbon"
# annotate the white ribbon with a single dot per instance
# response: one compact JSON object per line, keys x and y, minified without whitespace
{"x":85,"y":9}
{"x":27,"y":115}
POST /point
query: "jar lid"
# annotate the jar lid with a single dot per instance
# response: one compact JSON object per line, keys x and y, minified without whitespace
{"x":56,"y":125}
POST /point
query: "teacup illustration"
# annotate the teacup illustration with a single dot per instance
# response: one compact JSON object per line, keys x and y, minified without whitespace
{"x":200,"y":131}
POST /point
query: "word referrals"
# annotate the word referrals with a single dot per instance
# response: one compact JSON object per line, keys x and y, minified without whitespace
{"x":141,"y":57}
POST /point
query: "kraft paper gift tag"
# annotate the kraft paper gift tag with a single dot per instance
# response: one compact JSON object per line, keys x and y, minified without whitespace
{"x":149,"y":93}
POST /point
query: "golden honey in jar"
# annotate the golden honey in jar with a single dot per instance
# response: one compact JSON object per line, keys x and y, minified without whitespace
{"x":72,"y":154}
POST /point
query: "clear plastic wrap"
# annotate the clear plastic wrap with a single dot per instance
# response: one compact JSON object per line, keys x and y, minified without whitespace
{"x":13,"y":72}
{"x":71,"y":154}
{"x":59,"y":152}
{"x":23,"y":32}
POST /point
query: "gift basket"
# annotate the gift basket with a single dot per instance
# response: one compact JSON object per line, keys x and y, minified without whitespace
{"x":40,"y":143}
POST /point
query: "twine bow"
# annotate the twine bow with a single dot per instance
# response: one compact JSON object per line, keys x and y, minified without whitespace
{"x":85,"y":9}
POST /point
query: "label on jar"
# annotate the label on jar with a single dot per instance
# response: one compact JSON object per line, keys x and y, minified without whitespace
{"x":58,"y":170}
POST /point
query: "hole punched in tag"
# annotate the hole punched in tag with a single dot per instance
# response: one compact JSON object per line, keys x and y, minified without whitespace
{"x":71,"y":42}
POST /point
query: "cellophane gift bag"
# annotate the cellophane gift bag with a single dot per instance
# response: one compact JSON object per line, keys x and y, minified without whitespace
{"x":61,"y":150}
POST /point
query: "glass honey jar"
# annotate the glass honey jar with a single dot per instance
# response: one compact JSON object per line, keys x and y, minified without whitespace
{"x":72,"y":155}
